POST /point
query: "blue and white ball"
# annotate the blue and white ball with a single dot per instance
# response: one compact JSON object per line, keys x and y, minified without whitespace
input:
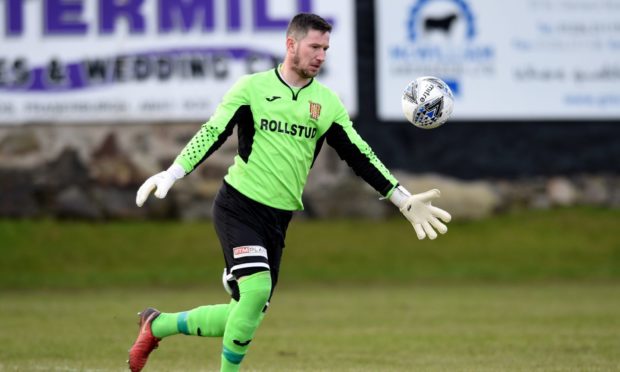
{"x":427,"y":102}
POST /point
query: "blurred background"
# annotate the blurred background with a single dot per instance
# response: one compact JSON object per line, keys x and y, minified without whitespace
{"x":96,"y":96}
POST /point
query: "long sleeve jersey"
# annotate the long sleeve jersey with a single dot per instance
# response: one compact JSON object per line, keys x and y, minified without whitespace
{"x":281,"y":130}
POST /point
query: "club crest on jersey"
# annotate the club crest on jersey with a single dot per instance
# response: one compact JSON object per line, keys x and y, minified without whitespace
{"x":315,"y":110}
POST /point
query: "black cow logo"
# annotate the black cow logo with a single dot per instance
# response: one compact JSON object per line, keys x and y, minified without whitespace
{"x":441,"y":24}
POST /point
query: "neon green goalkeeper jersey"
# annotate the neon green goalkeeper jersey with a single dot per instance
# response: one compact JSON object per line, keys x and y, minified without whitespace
{"x":281,"y":130}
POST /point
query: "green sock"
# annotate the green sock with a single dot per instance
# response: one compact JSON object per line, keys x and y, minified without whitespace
{"x":244,"y":319}
{"x":206,"y":321}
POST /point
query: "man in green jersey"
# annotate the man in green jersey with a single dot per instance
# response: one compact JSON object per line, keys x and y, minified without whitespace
{"x":283,"y":117}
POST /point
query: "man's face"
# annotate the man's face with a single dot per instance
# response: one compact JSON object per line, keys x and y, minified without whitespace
{"x":308,"y":54}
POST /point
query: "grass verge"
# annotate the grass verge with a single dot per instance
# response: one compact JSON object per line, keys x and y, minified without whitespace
{"x":563,"y":244}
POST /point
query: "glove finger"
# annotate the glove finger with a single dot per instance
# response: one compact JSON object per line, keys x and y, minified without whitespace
{"x":144,"y":191}
{"x":429,"y":195}
{"x":438,"y":225}
{"x":438,"y":212}
{"x":419,"y":230}
{"x":429,"y":230}
{"x":162,"y":190}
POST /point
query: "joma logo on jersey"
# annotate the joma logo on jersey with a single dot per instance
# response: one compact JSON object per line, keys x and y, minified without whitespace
{"x":315,"y":110}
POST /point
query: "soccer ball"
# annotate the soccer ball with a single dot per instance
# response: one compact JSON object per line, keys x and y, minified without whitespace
{"x":427,"y":102}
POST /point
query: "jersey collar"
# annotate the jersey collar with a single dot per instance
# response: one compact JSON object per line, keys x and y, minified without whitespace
{"x":294,"y":94}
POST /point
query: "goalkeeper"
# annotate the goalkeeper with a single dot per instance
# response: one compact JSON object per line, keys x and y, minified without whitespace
{"x":283,"y":117}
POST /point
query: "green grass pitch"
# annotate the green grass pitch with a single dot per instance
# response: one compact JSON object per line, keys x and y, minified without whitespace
{"x":525,"y":291}
{"x":470,"y":327}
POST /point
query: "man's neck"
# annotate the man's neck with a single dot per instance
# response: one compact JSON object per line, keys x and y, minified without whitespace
{"x":291,"y":77}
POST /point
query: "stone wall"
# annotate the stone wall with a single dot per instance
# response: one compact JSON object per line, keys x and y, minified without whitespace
{"x":93,"y":172}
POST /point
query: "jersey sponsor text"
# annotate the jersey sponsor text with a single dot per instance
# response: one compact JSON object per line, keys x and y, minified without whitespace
{"x":297,"y":130}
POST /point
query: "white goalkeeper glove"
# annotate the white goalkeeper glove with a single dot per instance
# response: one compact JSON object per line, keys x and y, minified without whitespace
{"x":161,"y":182}
{"x":418,"y":210}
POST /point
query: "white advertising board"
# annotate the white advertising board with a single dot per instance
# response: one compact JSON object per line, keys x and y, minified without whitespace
{"x":150,"y":60}
{"x":522,"y":59}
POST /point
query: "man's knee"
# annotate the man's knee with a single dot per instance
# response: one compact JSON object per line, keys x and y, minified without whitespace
{"x":231,"y":281}
{"x":255,"y":289}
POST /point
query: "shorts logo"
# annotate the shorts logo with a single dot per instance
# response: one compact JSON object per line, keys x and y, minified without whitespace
{"x":315,"y":110}
{"x":249,"y":250}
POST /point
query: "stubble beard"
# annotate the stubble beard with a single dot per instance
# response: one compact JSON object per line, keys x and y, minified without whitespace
{"x":300,"y":71}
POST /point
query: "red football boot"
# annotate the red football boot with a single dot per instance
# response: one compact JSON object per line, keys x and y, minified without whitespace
{"x":145,"y":343}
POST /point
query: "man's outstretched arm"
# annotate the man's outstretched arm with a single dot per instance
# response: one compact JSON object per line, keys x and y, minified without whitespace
{"x":417,"y":208}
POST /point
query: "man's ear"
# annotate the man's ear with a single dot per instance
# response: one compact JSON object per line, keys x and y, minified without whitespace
{"x":290,"y":44}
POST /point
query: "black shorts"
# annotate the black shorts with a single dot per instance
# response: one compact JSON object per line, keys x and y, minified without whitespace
{"x":251,"y":234}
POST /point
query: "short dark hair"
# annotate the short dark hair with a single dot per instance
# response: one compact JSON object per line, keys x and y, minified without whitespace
{"x":303,"y":22}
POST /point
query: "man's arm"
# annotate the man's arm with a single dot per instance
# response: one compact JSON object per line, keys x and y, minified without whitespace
{"x":359,"y":156}
{"x":220,"y":126}
{"x":424,"y":217}
{"x":209,"y":138}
